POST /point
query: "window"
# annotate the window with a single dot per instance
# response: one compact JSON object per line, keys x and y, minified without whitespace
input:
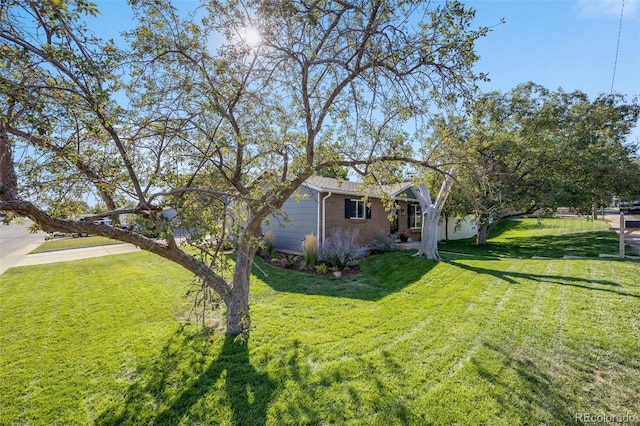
{"x":356,"y":209}
{"x":415,"y":216}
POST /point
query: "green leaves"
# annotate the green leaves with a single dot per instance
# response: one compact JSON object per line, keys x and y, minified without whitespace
{"x":533,"y":148}
{"x":190,"y":111}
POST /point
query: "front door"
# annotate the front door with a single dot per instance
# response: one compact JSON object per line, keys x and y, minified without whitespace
{"x":394,"y":224}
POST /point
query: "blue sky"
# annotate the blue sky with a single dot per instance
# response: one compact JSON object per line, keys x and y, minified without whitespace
{"x":568,"y":44}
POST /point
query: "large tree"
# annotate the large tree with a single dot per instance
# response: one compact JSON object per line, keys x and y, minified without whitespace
{"x":201,"y":115}
{"x":598,"y":159}
{"x":533,"y":149}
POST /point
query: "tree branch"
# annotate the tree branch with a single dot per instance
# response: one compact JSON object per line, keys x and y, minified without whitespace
{"x":174,"y":254}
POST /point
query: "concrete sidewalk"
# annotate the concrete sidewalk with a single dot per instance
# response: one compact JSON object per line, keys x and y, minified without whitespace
{"x":22,"y":258}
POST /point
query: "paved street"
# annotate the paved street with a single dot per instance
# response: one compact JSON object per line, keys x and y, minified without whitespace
{"x":15,"y":242}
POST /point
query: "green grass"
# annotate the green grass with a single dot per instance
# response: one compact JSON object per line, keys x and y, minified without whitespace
{"x":71,"y":243}
{"x":408,"y":341}
{"x":547,"y":237}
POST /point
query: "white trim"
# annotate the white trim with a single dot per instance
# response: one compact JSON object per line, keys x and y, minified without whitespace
{"x":324,"y":215}
{"x":312,"y":186}
{"x":409,"y":205}
{"x":364,"y":211}
{"x":318,"y":218}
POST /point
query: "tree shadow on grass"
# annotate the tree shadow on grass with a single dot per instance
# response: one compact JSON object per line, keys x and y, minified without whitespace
{"x":380,"y":276}
{"x":536,"y":389}
{"x":518,"y":277}
{"x":339,"y":392}
{"x":589,"y":244}
{"x":184,"y":382}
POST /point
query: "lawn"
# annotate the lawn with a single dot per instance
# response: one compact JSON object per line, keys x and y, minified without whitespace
{"x":71,"y":243}
{"x":545,"y":237}
{"x":468,"y":340}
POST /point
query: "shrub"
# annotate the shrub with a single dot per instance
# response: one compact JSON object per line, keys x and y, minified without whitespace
{"x":342,"y":249}
{"x":290,"y":261}
{"x":268,"y":244}
{"x":322,"y":268}
{"x":382,"y":242}
{"x":310,"y":251}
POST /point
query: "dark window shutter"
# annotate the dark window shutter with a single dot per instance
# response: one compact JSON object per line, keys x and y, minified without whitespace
{"x":349,"y":209}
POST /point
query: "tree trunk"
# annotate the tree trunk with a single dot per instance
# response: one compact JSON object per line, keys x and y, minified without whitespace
{"x":429,"y":243}
{"x":237,"y":300}
{"x":483,"y":230}
{"x":446,"y":228}
{"x":431,"y":216}
{"x":8,"y":177}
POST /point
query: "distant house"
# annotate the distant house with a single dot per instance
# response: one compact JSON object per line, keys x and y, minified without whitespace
{"x":326,"y":204}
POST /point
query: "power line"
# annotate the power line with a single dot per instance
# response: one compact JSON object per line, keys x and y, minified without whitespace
{"x":615,"y":62}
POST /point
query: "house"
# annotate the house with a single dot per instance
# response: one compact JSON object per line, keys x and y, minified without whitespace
{"x":325,"y":204}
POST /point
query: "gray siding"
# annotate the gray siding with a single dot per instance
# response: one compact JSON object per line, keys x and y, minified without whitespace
{"x":302,"y":219}
{"x":409,"y":194}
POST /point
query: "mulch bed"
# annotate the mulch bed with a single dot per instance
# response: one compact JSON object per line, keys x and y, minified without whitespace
{"x":295,"y":263}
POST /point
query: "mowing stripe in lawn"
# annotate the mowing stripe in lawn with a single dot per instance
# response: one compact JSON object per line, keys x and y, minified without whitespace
{"x":407,"y":341}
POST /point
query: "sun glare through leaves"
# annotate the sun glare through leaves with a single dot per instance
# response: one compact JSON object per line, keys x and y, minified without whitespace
{"x":251,"y":36}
